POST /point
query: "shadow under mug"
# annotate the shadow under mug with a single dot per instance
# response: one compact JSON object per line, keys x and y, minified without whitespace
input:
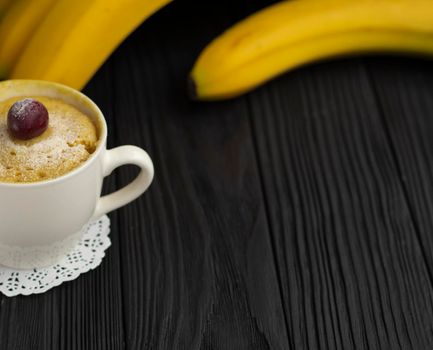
{"x":40,"y":222}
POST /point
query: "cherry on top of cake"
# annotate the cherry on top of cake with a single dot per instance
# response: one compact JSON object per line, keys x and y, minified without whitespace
{"x":27,"y":118}
{"x":42,"y":138}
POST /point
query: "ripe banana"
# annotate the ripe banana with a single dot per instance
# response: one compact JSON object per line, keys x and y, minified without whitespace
{"x":16,"y":27}
{"x":77,"y":36}
{"x":292,"y":33}
{"x":4,"y":4}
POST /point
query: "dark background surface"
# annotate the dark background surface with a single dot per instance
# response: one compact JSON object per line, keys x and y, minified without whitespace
{"x":296,"y":217}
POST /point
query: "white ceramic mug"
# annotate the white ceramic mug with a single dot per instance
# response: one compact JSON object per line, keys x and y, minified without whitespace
{"x":41,"y":221}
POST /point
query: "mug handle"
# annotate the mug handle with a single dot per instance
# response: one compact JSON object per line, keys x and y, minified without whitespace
{"x":121,"y":156}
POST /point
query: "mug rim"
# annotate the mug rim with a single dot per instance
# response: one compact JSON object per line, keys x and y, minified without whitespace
{"x":64,"y":90}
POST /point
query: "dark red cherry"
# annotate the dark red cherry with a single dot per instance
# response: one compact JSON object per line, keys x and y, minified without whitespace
{"x":27,"y":119}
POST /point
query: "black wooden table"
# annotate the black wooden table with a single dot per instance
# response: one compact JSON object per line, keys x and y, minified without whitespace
{"x":299,"y":216}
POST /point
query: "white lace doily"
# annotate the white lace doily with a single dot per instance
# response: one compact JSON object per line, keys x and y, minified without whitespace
{"x":87,"y":255}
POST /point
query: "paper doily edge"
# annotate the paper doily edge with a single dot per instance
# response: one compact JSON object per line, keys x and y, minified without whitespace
{"x":106,"y":222}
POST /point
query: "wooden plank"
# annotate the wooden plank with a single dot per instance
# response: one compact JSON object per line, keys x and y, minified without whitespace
{"x":403,"y":89}
{"x":403,"y":92}
{"x":197,"y":266}
{"x":350,"y":262}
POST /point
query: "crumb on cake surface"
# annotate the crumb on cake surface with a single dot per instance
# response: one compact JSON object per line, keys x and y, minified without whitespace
{"x":68,"y":142}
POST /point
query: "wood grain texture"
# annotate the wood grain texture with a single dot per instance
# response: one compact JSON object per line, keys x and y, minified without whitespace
{"x":296,"y":217}
{"x":352,"y":267}
{"x":198,"y":271}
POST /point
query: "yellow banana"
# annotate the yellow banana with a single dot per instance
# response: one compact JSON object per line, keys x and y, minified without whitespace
{"x":292,"y":33}
{"x":16,"y":28}
{"x":4,"y":4}
{"x":77,"y":36}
